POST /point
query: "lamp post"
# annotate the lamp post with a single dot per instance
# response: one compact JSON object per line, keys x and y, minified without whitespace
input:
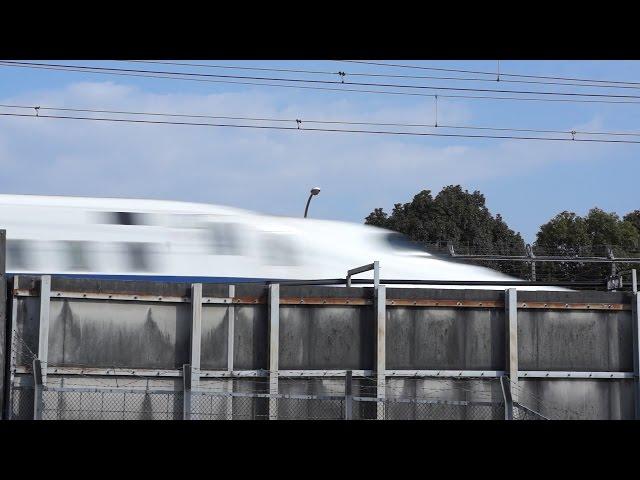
{"x":314,"y":191}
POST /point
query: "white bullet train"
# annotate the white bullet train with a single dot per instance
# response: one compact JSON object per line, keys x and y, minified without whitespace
{"x":120,"y":238}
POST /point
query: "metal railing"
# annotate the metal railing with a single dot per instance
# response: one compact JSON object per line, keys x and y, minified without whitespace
{"x":611,"y":282}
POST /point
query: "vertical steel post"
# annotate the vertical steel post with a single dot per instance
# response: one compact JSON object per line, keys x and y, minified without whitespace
{"x":511,"y":343}
{"x":38,"y":385}
{"x":613,"y":264}
{"x":3,"y":251}
{"x":186,"y":392}
{"x":12,"y":350}
{"x":43,"y":338}
{"x":381,"y":320}
{"x":635,"y":320}
{"x":533,"y":271}
{"x":452,"y":251}
{"x":4,"y":344}
{"x":508,"y":399}
{"x":231,"y":314}
{"x":376,"y":274}
{"x":196,"y":333}
{"x":533,"y":264}
{"x":634,"y":281}
{"x":348,"y":395}
{"x":274,"y":350}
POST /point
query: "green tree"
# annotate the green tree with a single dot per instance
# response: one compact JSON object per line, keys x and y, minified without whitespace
{"x":455,"y":215}
{"x":377,"y":218}
{"x":633,"y":218}
{"x":568,"y":234}
{"x":462,"y":218}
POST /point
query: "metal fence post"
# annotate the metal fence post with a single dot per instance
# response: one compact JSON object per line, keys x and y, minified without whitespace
{"x":381,"y":320}
{"x":191,"y":371}
{"x":196,"y":332}
{"x":37,"y":389}
{"x":508,"y":399}
{"x":511,"y":339}
{"x":376,"y":274}
{"x":635,"y":320}
{"x":375,"y":266}
{"x":348,"y":395}
{"x":533,"y":263}
{"x":231,"y":314}
{"x":43,"y":338}
{"x":634,"y":281}
{"x":11,"y":349}
{"x":186,"y":392}
{"x":613,"y":264}
{"x":274,"y":351}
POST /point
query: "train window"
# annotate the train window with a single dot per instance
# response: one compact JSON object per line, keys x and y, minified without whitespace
{"x":279,"y":249}
{"x":77,"y":258}
{"x":403,"y":243}
{"x":17,"y":255}
{"x":138,"y":258}
{"x":399,"y":241}
{"x":224,"y":239}
{"x":124,"y":218}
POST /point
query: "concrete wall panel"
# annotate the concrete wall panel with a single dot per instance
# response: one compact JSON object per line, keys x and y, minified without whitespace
{"x":333,"y":337}
{"x":575,"y":340}
{"x":215,"y":327}
{"x":250,"y":338}
{"x":560,"y":399}
{"x":119,"y":334}
{"x":445,"y":338}
{"x":27,"y":330}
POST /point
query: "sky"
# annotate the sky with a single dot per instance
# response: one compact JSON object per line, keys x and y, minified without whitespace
{"x":270,"y":171}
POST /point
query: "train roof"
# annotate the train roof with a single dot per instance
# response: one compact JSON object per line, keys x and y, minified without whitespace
{"x":115,"y":203}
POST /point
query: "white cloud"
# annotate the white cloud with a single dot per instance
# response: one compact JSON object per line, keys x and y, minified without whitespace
{"x":268,"y":171}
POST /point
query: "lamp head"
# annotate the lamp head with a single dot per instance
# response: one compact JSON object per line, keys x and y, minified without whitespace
{"x":315,"y":190}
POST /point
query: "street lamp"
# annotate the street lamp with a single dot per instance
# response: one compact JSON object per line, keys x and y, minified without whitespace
{"x":314,"y":191}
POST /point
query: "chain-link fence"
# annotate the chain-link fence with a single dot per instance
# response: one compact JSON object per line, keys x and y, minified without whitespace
{"x":410,"y":409}
{"x":96,"y":404}
{"x":73,"y":403}
{"x":520,"y":412}
{"x":21,"y":403}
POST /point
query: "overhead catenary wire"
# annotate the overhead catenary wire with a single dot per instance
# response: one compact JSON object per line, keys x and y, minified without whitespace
{"x":589,"y":83}
{"x":316,"y":129}
{"x":299,"y":120}
{"x":479,"y":72}
{"x":329,"y":82}
{"x":263,"y":81}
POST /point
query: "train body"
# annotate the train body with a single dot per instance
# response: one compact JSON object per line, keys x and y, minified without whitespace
{"x":165,"y":240}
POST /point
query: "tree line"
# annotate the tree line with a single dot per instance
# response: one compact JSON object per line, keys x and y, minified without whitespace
{"x":461,"y":218}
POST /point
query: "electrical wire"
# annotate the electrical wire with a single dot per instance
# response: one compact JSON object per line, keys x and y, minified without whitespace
{"x":329,"y":82}
{"x":315,"y":129}
{"x":329,"y":122}
{"x":176,"y":76}
{"x":383,"y":75}
{"x":502,"y":74}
